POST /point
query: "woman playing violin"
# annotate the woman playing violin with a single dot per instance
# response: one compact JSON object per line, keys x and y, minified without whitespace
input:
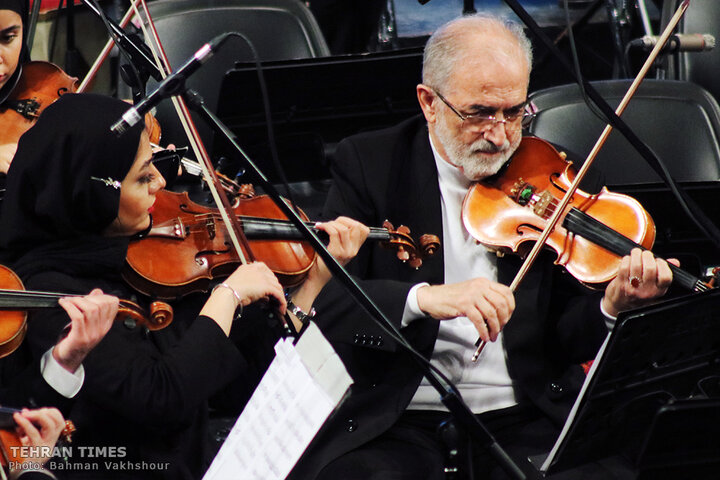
{"x":13,"y":53}
{"x":76,"y":195}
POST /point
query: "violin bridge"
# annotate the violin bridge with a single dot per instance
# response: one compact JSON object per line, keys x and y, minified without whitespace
{"x":541,"y":202}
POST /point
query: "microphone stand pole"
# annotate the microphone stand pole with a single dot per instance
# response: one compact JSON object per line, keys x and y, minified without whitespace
{"x":32,"y":24}
{"x":448,"y":393}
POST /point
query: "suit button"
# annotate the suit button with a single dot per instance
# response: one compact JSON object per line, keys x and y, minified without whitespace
{"x":351,"y":425}
{"x":380,"y":341}
{"x":555,"y":388}
{"x":356,"y":339}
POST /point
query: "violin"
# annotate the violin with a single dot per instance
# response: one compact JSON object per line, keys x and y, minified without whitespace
{"x":15,"y":301}
{"x":39,"y":85}
{"x":187,"y":245}
{"x":508,"y":212}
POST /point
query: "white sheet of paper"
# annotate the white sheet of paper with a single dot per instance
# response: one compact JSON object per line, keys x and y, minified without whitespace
{"x":300,"y":389}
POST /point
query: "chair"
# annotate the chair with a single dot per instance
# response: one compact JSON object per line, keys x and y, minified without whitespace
{"x":278,"y":29}
{"x":679,"y":120}
{"x":703,"y":68}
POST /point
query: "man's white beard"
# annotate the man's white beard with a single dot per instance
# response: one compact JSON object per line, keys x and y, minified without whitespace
{"x":479,"y":159}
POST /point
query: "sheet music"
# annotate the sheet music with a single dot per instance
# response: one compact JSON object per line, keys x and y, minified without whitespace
{"x":300,"y":389}
{"x":571,"y":416}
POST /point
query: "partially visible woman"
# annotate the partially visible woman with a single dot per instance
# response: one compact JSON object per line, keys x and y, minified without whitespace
{"x":13,"y":53}
{"x":76,"y":194}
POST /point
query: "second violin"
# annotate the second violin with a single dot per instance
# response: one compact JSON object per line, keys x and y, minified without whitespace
{"x":188,"y":246}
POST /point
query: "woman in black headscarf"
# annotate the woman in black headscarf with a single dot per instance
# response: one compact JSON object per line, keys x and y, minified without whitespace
{"x":13,"y":54}
{"x":76,"y":194}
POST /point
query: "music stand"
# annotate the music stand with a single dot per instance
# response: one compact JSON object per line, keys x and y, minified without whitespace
{"x":683,"y":441}
{"x":655,"y":355}
{"x":315,"y":103}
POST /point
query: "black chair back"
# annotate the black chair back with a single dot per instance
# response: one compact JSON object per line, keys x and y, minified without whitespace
{"x":680,"y":121}
{"x":278,"y":29}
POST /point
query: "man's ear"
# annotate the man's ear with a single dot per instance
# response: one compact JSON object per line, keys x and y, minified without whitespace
{"x":426,"y":98}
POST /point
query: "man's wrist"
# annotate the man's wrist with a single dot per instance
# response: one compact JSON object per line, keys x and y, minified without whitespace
{"x":70,"y":362}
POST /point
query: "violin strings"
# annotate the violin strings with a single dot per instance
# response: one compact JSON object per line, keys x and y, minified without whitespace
{"x":260,"y":221}
{"x":29,"y":293}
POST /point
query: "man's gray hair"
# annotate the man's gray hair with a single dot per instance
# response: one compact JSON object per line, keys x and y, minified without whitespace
{"x":444,"y":47}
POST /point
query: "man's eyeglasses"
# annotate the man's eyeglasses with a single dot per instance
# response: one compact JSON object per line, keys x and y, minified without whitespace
{"x":488,"y":118}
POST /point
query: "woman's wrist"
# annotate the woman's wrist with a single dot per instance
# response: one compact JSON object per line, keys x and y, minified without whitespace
{"x":224,"y":288}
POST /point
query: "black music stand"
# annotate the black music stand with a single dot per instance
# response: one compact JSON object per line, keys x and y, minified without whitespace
{"x":315,"y":103}
{"x":654,"y":357}
{"x":683,"y":441}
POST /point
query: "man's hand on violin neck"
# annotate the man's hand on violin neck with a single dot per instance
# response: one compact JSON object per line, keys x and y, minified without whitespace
{"x":642,"y":279}
{"x":91,"y":317}
{"x":487,"y":304}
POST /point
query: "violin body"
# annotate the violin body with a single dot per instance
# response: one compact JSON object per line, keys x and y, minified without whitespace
{"x":188,"y":246}
{"x":40,"y":84}
{"x":13,"y":324}
{"x":509,"y":212}
{"x":9,"y":454}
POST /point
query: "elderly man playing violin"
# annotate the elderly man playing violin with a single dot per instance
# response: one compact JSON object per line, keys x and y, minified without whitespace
{"x":475,"y":84}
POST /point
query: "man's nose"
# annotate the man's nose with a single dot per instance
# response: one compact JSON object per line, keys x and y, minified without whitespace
{"x":496,"y":132}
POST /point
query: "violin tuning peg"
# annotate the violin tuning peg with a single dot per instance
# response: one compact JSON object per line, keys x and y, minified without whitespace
{"x":563,"y":155}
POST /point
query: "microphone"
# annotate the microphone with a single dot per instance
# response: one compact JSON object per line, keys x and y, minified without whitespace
{"x":172,"y":85}
{"x":682,"y":42}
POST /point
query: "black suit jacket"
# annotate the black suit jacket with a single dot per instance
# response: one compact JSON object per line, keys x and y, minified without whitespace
{"x":557,"y":324}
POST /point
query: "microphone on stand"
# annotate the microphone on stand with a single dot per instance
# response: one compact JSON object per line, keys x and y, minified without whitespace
{"x":172,"y":85}
{"x":682,"y":42}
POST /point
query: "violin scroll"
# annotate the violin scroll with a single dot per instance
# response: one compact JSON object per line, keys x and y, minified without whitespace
{"x":407,"y":250}
{"x":161,"y":314}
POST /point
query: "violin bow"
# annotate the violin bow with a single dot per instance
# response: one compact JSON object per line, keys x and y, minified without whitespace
{"x":562,"y":205}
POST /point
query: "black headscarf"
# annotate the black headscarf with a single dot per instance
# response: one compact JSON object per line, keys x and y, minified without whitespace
{"x":21,"y":8}
{"x":62,"y":184}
